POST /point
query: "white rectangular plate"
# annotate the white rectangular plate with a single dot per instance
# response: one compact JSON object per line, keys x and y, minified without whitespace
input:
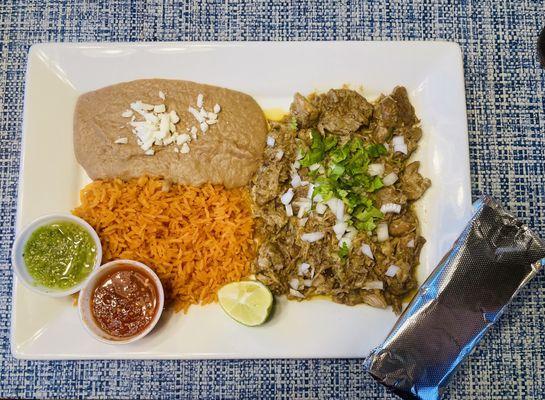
{"x":46,"y":328}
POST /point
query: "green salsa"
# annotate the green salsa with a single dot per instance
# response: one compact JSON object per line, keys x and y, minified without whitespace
{"x":59,"y":255}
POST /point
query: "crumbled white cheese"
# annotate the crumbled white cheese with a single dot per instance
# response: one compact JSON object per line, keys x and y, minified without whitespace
{"x":184,"y":149}
{"x":174,"y":118}
{"x":159,"y":108}
{"x":183,"y":138}
{"x":122,"y":140}
{"x":196,"y":114}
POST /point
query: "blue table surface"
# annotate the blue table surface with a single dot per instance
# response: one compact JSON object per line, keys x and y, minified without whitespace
{"x":505,"y":107}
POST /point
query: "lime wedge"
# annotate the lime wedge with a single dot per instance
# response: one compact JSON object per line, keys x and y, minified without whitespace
{"x":247,"y":302}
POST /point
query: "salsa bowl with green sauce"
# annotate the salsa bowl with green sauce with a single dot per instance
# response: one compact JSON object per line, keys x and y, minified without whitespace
{"x":56,"y":254}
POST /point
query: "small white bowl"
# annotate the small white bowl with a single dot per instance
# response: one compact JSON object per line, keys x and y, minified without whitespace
{"x":84,"y":302}
{"x":18,"y":262}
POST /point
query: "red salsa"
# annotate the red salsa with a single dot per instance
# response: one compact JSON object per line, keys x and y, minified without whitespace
{"x":124,"y":301}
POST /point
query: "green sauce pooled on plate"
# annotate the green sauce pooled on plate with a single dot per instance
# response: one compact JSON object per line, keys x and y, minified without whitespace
{"x":59,"y":255}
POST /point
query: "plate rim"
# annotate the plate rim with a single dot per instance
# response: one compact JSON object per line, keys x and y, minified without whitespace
{"x":443,"y":44}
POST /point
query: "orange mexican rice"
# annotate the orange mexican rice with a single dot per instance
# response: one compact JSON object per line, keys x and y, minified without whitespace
{"x":196,"y":238}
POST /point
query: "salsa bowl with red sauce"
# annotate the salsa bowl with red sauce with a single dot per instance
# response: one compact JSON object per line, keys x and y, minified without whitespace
{"x":121,"y":302}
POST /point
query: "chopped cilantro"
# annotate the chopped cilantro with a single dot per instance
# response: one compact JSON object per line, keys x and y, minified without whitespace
{"x":343,"y":251}
{"x":346,"y":175}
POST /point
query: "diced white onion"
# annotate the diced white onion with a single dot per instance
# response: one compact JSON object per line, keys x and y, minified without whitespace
{"x":295,"y":180}
{"x":337,"y":208}
{"x":401,"y":149}
{"x":294,"y":283}
{"x":296,"y":293}
{"x":318,"y":198}
{"x":366,"y":250}
{"x":287,"y":197}
{"x":307,"y":282}
{"x":279,"y":154}
{"x":200,"y":100}
{"x":310,"y":191}
{"x":303,"y":269}
{"x":399,"y":144}
{"x":302,"y":210}
{"x":390,"y":208}
{"x":312,"y":236}
{"x":392,"y":271}
{"x":382,"y":232}
{"x":321,"y":208}
{"x":296,"y":165}
{"x":340,"y":211}
{"x":374,"y":285}
{"x":410,"y":243}
{"x":289,"y":210}
{"x":217,"y":108}
{"x":270,"y":141}
{"x":314,"y":167}
{"x":339,"y":229}
{"x":375,"y":169}
{"x":390,"y":179}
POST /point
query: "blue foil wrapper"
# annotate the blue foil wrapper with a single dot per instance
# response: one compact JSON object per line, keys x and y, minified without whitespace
{"x":494,"y":257}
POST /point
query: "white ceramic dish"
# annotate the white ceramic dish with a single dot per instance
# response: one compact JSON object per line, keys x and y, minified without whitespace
{"x":84,"y":302}
{"x":18,"y":262}
{"x":46,"y":328}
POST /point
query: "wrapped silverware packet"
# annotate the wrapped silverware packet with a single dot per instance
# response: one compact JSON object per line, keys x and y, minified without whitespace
{"x":494,"y":257}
